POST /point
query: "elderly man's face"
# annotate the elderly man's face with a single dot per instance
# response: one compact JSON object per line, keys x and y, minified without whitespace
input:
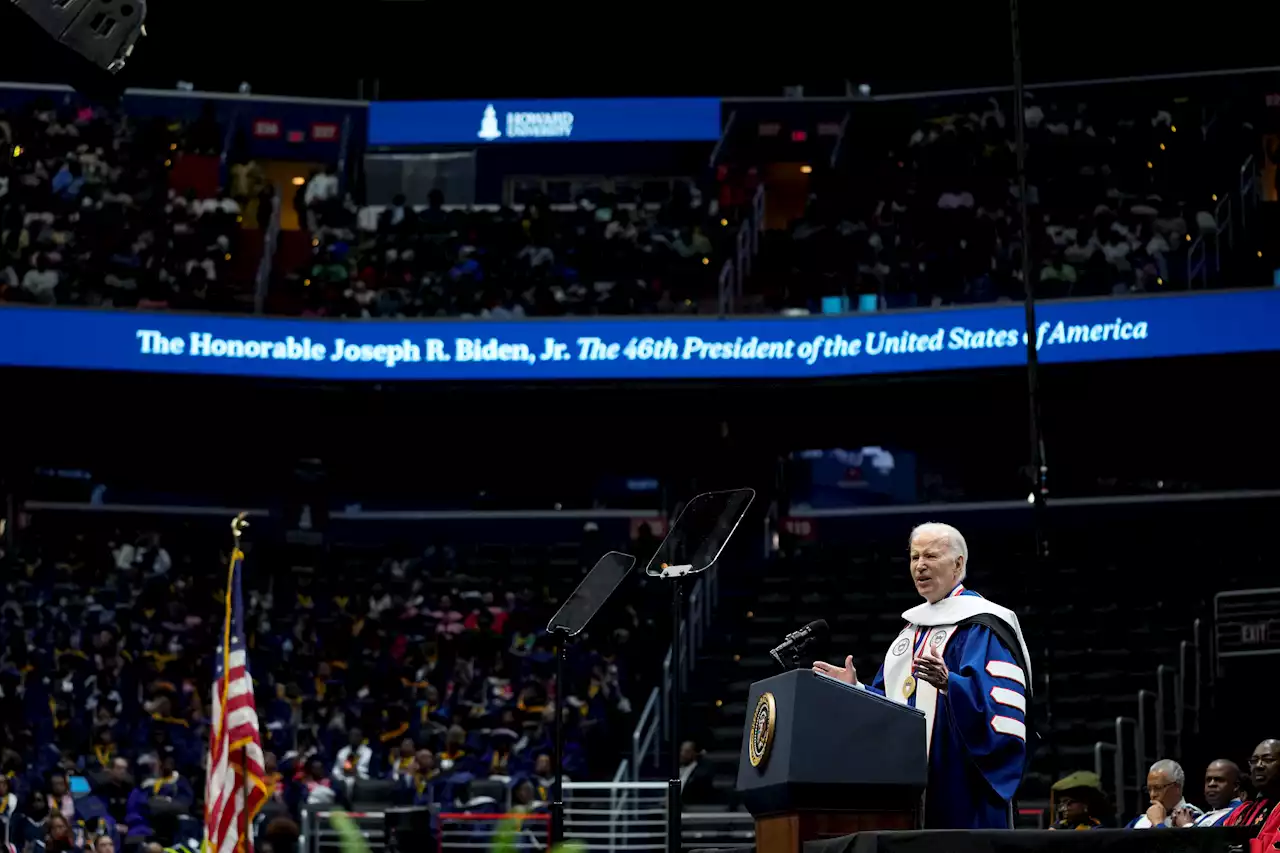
{"x":935,"y":569}
{"x":1264,"y":765}
{"x":1163,"y":790}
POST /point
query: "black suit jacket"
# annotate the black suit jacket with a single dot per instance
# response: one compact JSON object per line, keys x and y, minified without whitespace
{"x":699,"y":788}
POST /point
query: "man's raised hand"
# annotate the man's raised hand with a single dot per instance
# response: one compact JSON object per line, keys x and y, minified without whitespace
{"x":845,"y":673}
{"x":929,"y":666}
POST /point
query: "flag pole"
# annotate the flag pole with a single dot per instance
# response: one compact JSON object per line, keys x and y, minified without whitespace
{"x":238,"y":525}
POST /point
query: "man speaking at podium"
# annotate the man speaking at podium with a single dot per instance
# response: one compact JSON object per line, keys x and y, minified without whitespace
{"x":962,"y":661}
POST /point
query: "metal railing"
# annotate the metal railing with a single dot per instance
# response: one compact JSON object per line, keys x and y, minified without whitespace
{"x":653,"y":726}
{"x":1249,"y":189}
{"x":1197,"y":263}
{"x":317,"y":833}
{"x":463,"y":830}
{"x":728,"y":287}
{"x":344,"y":152}
{"x":757,"y":219}
{"x":838,"y":148}
{"x":1224,"y":212}
{"x":1120,"y":783}
{"x":270,"y":238}
{"x":1179,"y":689}
{"x":724,"y":135}
{"x":606,"y":817}
{"x":626,"y":816}
{"x":1224,"y":215}
{"x":644,"y":738}
{"x":228,"y":138}
{"x":742,"y":253}
{"x":746,"y":246}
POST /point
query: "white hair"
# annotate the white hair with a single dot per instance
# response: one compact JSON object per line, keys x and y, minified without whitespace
{"x":1170,"y":768}
{"x":955,"y":540}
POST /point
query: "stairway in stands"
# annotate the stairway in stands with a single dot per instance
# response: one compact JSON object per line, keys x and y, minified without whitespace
{"x":1119,"y":594}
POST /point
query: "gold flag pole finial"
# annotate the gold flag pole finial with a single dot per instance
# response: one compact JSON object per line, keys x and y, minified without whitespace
{"x":238,"y":524}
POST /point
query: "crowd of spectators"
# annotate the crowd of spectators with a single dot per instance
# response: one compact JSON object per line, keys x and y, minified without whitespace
{"x":599,"y":256}
{"x":918,"y":212}
{"x":417,"y":684}
{"x":87,"y":215}
{"x":927,"y":213}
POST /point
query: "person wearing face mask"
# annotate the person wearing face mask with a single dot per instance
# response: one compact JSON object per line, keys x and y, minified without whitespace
{"x":961,"y":660}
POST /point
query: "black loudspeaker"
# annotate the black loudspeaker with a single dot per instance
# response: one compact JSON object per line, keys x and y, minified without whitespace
{"x":98,"y":36}
{"x":102,"y":31}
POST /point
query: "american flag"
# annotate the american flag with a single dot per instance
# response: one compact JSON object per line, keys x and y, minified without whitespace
{"x":235,"y":790}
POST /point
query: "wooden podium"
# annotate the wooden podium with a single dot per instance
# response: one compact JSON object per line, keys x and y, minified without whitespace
{"x":821,"y":759}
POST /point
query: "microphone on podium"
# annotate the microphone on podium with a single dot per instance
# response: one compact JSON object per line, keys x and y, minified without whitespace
{"x":797,"y":641}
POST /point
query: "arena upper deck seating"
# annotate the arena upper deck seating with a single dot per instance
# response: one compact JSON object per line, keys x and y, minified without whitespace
{"x":921,"y":207}
{"x":596,"y":256}
{"x":94,"y":211}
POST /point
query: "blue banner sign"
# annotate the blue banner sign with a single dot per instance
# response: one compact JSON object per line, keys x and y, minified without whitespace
{"x":638,"y":348}
{"x":574,"y":120}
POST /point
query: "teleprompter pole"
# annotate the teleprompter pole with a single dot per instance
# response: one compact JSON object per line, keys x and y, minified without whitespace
{"x":673,"y":784}
{"x":1039,"y":465}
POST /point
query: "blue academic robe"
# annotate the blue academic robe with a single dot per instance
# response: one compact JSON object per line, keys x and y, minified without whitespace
{"x":978,"y":749}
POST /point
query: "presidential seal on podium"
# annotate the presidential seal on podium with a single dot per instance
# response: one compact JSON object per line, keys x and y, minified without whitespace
{"x":763,"y":721}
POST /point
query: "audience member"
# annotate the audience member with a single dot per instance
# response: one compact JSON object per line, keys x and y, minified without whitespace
{"x":1264,"y":773}
{"x":697,"y":778}
{"x":1222,"y":793}
{"x":1165,"y":781}
{"x":1079,"y":801}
